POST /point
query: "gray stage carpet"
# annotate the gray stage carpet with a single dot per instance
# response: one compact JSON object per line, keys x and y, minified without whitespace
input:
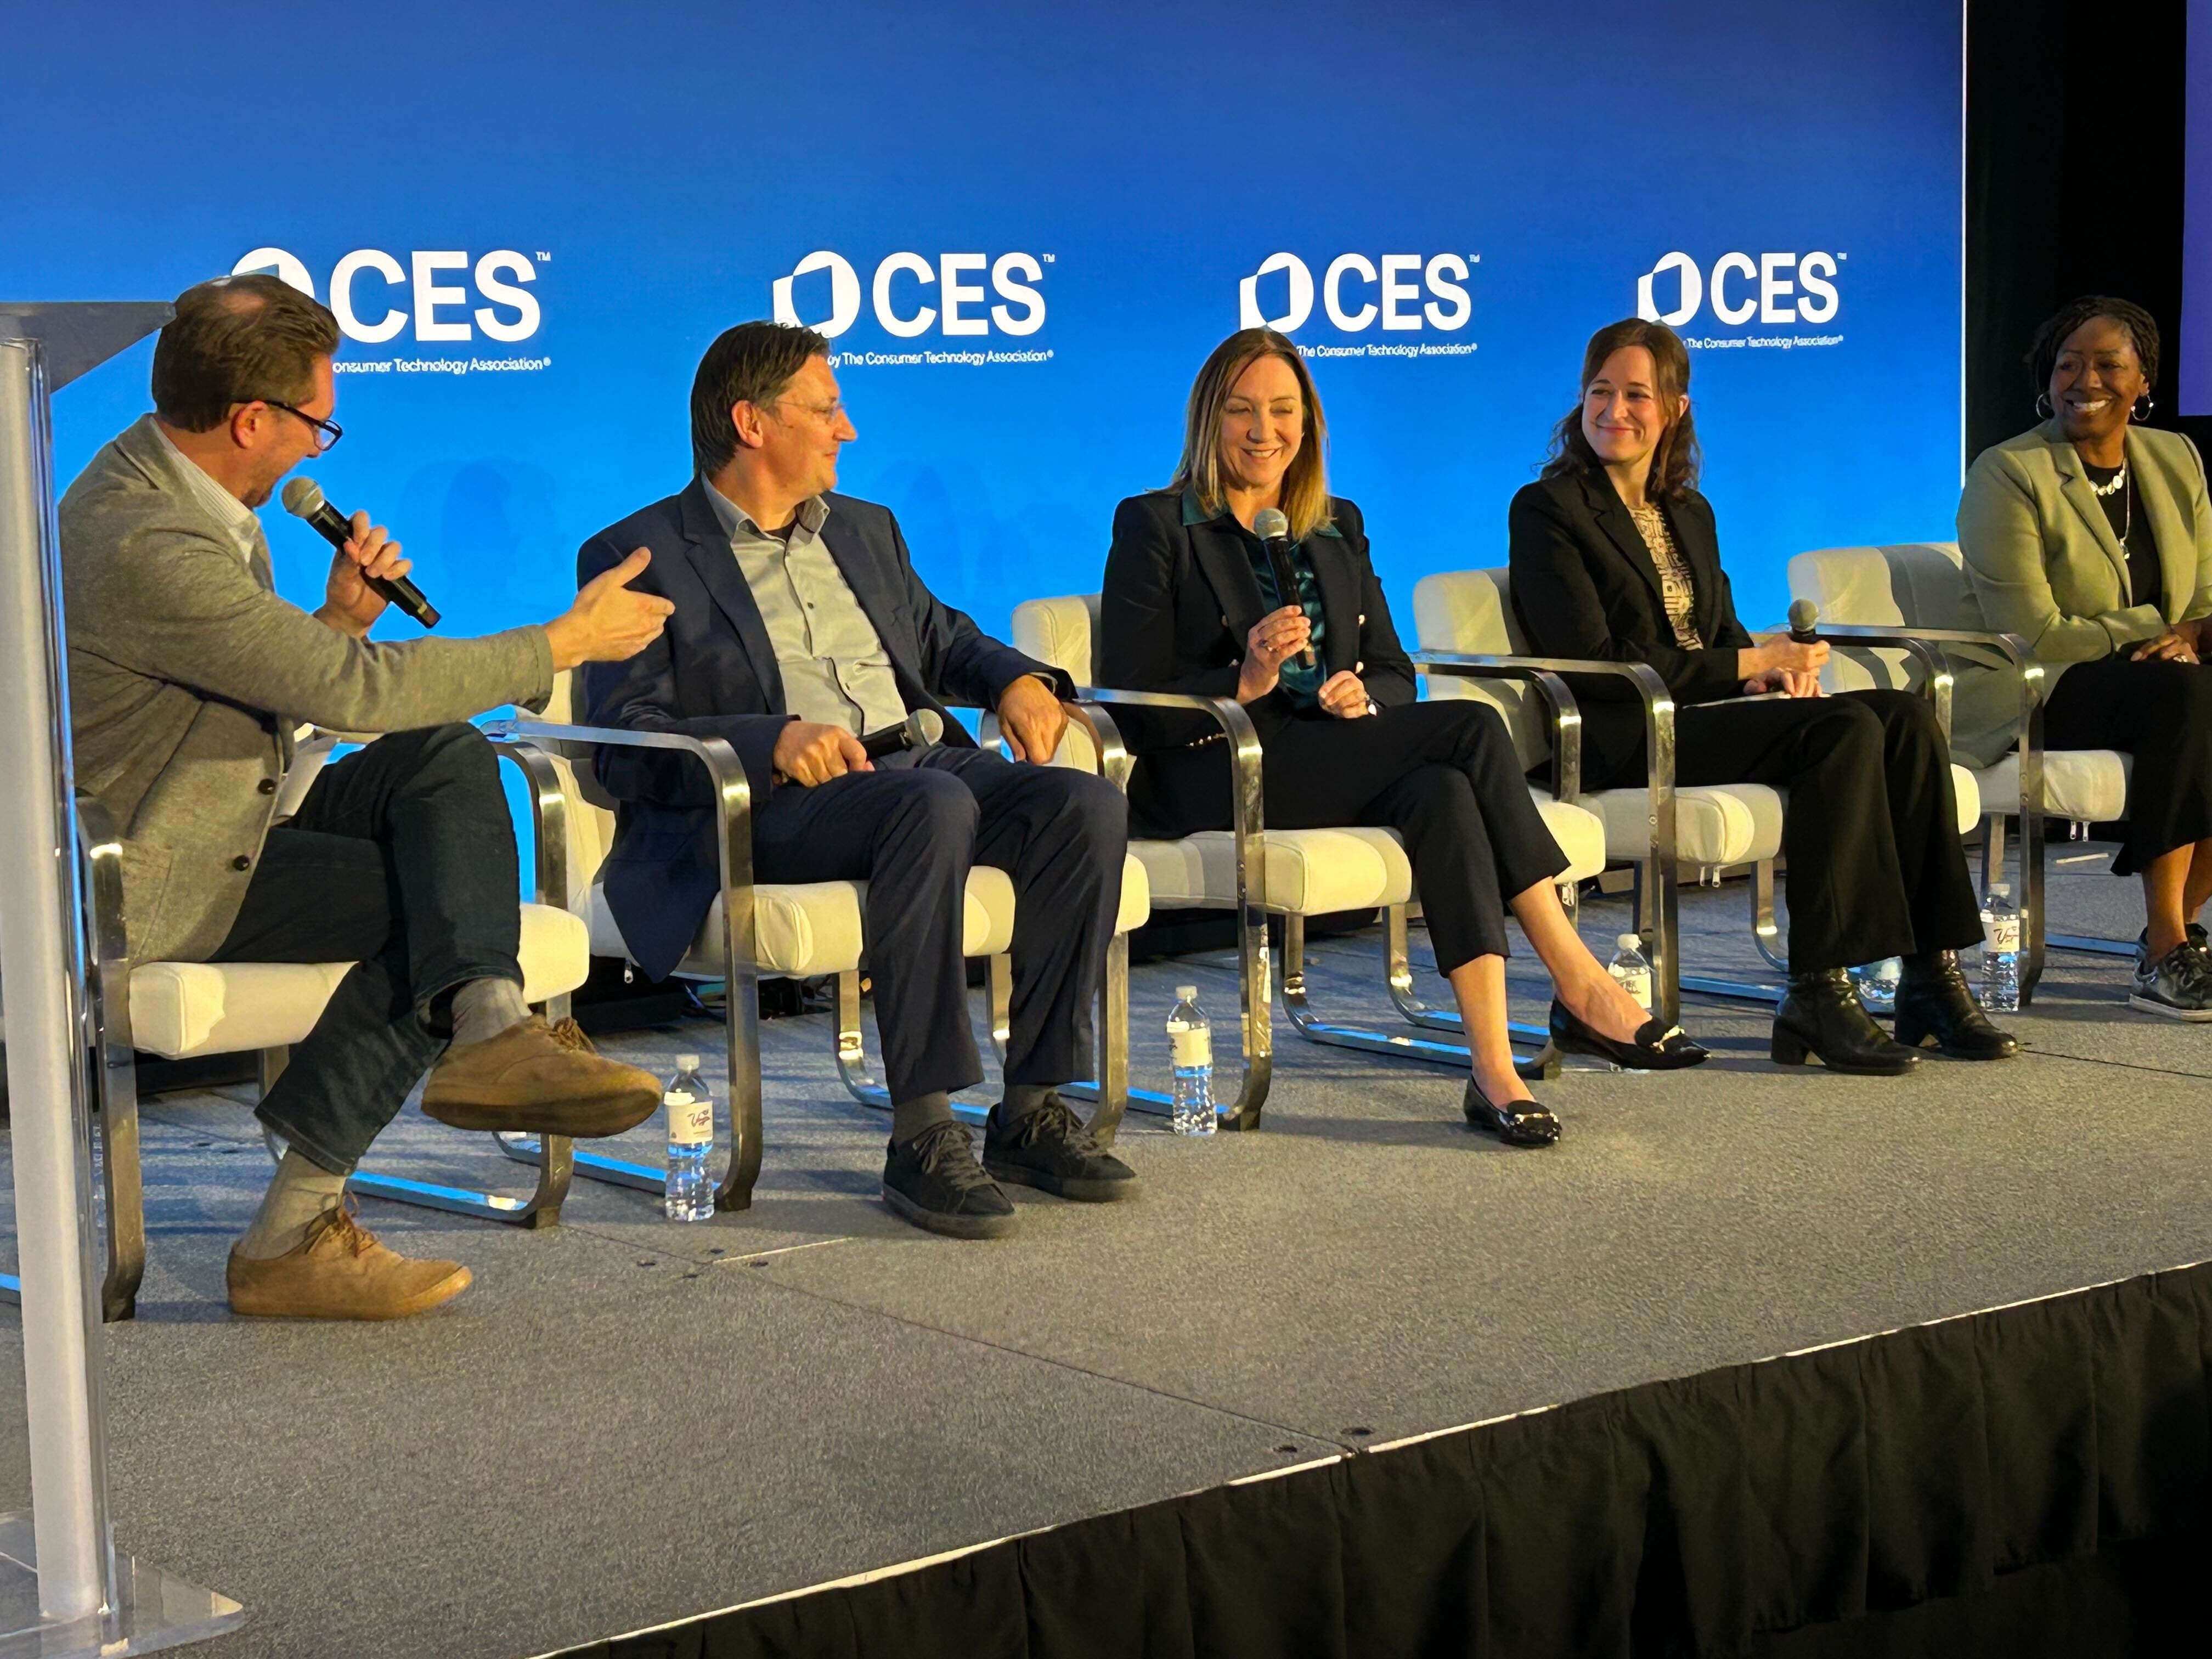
{"x":627,"y":1422}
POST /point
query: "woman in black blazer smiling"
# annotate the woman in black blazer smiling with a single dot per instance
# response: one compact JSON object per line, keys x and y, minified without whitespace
{"x":1191,"y":604}
{"x":1615,"y":556}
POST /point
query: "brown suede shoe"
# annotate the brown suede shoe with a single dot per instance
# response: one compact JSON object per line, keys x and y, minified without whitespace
{"x":541,"y":1080}
{"x":340,"y":1272}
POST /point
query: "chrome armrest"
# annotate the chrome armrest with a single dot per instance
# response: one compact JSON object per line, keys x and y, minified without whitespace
{"x":1566,"y":721}
{"x":1926,"y":644}
{"x":1545,"y":673}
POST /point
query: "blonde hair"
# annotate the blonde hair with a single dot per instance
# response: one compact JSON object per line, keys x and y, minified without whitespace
{"x":1305,"y":484}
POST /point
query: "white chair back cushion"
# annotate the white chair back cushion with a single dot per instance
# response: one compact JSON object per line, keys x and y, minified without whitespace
{"x":1059,"y":631}
{"x":591,"y":810}
{"x":1904,"y":585}
{"x":1472,"y":610}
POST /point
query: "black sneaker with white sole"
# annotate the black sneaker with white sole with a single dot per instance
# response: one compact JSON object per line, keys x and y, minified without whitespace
{"x":1049,"y":1148}
{"x":2178,"y":985}
{"x":934,"y":1181}
{"x":2198,"y":937}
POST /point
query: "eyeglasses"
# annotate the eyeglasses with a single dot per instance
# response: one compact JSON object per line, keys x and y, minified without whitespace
{"x":327,"y":433}
{"x":830,"y":412}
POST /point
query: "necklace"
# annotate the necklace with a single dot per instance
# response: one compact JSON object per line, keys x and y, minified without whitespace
{"x":2118,"y":481}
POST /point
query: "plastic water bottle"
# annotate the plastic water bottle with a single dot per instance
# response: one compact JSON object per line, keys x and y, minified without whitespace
{"x":1630,"y":970}
{"x":1190,"y":1050}
{"x":1999,"y":950}
{"x":688,"y":1194}
{"x":1876,"y":983}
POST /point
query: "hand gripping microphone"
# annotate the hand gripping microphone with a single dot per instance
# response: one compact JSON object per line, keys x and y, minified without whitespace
{"x":1804,"y":617}
{"x":1273,"y":529}
{"x":303,"y":499}
{"x":917,"y":731}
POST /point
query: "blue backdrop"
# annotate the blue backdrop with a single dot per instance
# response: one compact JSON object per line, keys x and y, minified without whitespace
{"x":1030,"y":226}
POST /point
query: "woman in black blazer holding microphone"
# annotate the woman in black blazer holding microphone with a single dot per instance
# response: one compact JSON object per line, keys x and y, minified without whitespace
{"x":1192,"y":604}
{"x":1615,"y":556}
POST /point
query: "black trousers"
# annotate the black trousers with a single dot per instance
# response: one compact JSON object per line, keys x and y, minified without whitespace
{"x":401,"y":860}
{"x":1442,"y":775}
{"x":2160,"y":712}
{"x":1871,"y":829}
{"x":911,"y":828}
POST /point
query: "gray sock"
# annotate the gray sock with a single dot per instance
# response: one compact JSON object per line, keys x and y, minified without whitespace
{"x":1023,"y":1098}
{"x":484,"y":1007}
{"x":910,"y":1117}
{"x":301,"y":1190}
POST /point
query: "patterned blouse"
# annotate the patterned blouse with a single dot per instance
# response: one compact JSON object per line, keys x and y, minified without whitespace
{"x":1676,"y":586}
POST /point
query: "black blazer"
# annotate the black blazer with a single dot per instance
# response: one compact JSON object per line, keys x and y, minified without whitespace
{"x":1178,"y":602}
{"x":712,"y":673}
{"x":1584,"y":585}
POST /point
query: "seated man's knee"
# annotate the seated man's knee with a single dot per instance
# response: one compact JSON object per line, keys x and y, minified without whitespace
{"x":455,"y":749}
{"x":935,"y":804}
{"x":1098,"y":810}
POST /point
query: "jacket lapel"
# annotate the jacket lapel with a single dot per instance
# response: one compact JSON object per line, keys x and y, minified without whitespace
{"x":1612,"y":517}
{"x":1227,"y":568}
{"x":2157,"y":496}
{"x":2074,"y":483}
{"x":709,"y":549}
{"x":1702,"y":555}
{"x":1339,"y":597}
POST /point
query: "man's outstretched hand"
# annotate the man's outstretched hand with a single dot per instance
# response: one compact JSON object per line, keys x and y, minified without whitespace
{"x":608,"y":622}
{"x":1031,"y":717}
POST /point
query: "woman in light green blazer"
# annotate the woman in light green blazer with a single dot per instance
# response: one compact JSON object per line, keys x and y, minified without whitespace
{"x":2091,"y":538}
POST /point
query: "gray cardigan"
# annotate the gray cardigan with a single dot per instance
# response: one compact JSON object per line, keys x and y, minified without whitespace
{"x":188,"y":673}
{"x":2044,"y":564}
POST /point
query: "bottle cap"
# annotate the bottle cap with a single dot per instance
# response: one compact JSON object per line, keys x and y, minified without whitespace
{"x":1187,"y":992}
{"x":687,"y":1062}
{"x":1630,"y":942}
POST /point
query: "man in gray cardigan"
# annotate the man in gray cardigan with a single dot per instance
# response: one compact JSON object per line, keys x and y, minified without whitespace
{"x":188,"y":675}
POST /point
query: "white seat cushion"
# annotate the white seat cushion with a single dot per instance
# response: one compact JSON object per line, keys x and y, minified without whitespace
{"x":181,"y":1009}
{"x":2087,"y":784}
{"x":1714,"y":823}
{"x":1311,"y":872}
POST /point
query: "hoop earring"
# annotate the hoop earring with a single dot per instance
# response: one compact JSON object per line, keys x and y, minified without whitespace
{"x":2042,"y":405}
{"x":2140,"y":411}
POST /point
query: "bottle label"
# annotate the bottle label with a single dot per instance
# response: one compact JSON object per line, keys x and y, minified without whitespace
{"x":1636,"y":981}
{"x":2001,"y":934}
{"x":691,"y":1120}
{"x":1190,"y":1045}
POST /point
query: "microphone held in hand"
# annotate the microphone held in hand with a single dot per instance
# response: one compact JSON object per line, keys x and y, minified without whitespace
{"x":303,"y":499}
{"x":1804,"y":617}
{"x":917,"y":731}
{"x":1273,"y":529}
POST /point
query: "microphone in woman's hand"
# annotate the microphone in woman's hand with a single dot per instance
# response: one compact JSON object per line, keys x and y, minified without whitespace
{"x":1273,"y":527}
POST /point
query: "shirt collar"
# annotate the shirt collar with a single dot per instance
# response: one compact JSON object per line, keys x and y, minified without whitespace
{"x":235,"y":515}
{"x":1193,"y":511}
{"x":812,"y":513}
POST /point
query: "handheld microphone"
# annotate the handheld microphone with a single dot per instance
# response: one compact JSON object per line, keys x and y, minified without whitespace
{"x":917,"y":731}
{"x":1804,"y":615}
{"x":1273,"y":527}
{"x":303,"y":499}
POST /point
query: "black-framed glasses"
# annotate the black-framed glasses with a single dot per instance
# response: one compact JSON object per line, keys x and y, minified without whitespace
{"x":327,"y":433}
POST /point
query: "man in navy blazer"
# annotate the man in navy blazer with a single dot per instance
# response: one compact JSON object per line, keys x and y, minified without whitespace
{"x":799,"y":626}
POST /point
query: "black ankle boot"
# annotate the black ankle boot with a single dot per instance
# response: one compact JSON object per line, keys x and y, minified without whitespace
{"x":1821,"y":1017}
{"x":1933,"y":999}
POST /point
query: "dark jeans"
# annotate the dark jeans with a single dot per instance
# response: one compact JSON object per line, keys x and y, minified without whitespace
{"x":401,"y":860}
{"x":1871,"y":830}
{"x":911,"y":828}
{"x":1442,"y":775}
{"x":2161,"y":713}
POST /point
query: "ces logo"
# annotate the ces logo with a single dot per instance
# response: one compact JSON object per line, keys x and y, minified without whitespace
{"x":1779,"y":288}
{"x":1402,"y":291}
{"x":368,"y":278}
{"x":904,"y":283}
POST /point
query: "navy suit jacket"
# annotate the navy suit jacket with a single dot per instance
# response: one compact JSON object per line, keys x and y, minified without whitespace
{"x":712,"y":674}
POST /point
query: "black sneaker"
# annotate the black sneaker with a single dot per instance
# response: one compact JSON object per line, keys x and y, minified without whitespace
{"x":2198,"y":937}
{"x":933,"y":1180}
{"x":1049,"y":1148}
{"x":2178,"y":985}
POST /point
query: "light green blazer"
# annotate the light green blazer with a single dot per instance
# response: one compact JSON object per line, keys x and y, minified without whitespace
{"x":2044,"y":564}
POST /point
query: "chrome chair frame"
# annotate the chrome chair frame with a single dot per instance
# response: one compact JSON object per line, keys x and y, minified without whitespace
{"x":1655,"y":906}
{"x":116,"y":1069}
{"x":732,"y":807}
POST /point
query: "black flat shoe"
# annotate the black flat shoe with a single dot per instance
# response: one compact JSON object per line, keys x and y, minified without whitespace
{"x":1656,"y":1047}
{"x":1522,"y":1124}
{"x":1933,"y":1000}
{"x":1823,"y":1019}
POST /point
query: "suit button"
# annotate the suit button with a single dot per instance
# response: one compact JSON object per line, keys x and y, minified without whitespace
{"x":1224,"y":621}
{"x":243,"y":861}
{"x":1359,"y":668}
{"x":268,"y":785}
{"x":1362,"y":619}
